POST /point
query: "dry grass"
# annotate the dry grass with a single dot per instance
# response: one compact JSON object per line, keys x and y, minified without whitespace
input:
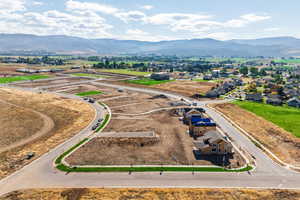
{"x":17,"y":124}
{"x":153,"y":194}
{"x":280,"y":142}
{"x":69,"y":116}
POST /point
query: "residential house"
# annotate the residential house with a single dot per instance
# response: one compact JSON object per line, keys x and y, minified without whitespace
{"x":294,"y":102}
{"x":160,"y":76}
{"x":198,"y":125}
{"x":256,"y":97}
{"x":212,"y":142}
{"x":274,"y":100}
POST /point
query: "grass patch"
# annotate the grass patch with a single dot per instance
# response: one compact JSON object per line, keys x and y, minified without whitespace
{"x":89,"y":75}
{"x":147,"y":81}
{"x":59,"y":159}
{"x":126,"y":72}
{"x":22,"y":78}
{"x":149,"y":169}
{"x":88,"y":93}
{"x":104,"y":123}
{"x":285,"y":117}
{"x":200,"y":80}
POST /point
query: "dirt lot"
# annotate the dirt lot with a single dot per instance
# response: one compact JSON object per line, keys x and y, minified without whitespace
{"x":69,"y":116}
{"x":183,"y":87}
{"x":153,"y":194}
{"x":174,"y":146}
{"x":51,"y":82}
{"x":279,"y":141}
{"x":137,"y":103}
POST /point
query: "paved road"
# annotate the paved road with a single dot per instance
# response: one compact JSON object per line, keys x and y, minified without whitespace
{"x":42,"y":174}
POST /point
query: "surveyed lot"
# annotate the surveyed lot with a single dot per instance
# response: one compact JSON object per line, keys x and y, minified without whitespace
{"x":147,"y":81}
{"x":89,"y":75}
{"x":126,"y":72}
{"x":285,"y":117}
{"x":22,"y":78}
{"x":88,"y":93}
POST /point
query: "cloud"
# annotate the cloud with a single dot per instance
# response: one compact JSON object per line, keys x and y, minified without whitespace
{"x":86,"y":24}
{"x":87,"y":6}
{"x":37,"y":3}
{"x":131,"y":16}
{"x":12,"y":5}
{"x":272,"y":29}
{"x":147,"y":7}
{"x":255,"y":18}
{"x":173,"y":18}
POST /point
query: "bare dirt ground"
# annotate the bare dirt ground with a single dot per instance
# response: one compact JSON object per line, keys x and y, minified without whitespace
{"x":40,"y":83}
{"x":10,"y":69}
{"x":137,"y":103}
{"x":69,"y":117}
{"x":172,"y":148}
{"x":282,"y":143}
{"x":186,"y":87}
{"x":153,"y":194}
{"x":182,"y":87}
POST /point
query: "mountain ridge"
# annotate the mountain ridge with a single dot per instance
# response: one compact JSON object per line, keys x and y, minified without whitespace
{"x":275,"y":46}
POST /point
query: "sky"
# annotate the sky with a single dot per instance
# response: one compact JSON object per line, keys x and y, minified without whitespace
{"x":152,"y":20}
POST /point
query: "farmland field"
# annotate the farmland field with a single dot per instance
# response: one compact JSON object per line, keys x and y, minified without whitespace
{"x":88,"y":93}
{"x":21,"y":78}
{"x":126,"y":72}
{"x":284,"y":117}
{"x":147,"y":81}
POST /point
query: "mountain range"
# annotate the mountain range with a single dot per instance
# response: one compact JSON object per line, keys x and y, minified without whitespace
{"x":61,"y":44}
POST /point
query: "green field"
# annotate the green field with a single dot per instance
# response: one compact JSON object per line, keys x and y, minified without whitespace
{"x":65,"y":168}
{"x":126,"y":72}
{"x":290,"y":61}
{"x":88,"y":93}
{"x":284,"y":117}
{"x":22,"y":78}
{"x":147,"y":81}
{"x":89,"y":75}
{"x":200,"y":80}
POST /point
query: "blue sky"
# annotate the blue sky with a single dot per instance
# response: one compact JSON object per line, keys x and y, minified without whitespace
{"x":152,"y":20}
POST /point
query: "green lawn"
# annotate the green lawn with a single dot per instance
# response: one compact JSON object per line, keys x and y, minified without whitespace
{"x":22,"y":78}
{"x":283,"y":116}
{"x":291,"y":61}
{"x":89,"y":75}
{"x":126,"y":71}
{"x":147,"y":81}
{"x":103,"y":123}
{"x":200,"y":80}
{"x":59,"y":159}
{"x":62,"y":167}
{"x":88,"y":93}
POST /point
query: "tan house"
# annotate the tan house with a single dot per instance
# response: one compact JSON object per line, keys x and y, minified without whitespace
{"x":212,"y":142}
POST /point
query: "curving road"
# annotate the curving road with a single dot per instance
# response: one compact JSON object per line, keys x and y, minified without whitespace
{"x":42,"y":174}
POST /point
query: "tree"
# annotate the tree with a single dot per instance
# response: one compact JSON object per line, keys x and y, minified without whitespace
{"x":262,"y":72}
{"x":244,"y":70}
{"x":254,"y":71}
